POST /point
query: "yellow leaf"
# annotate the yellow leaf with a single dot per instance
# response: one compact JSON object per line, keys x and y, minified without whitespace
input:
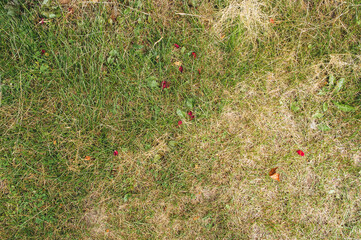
{"x":178,"y":63}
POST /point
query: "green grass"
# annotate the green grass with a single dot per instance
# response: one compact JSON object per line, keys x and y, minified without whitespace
{"x":265,"y":90}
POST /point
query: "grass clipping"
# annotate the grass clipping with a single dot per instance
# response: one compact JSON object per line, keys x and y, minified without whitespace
{"x":246,"y":16}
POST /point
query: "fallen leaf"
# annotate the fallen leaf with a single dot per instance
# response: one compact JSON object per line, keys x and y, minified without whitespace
{"x":165,"y":84}
{"x":180,"y":123}
{"x":271,"y":20}
{"x":176,"y":45}
{"x":54,"y":142}
{"x":199,"y":71}
{"x":178,"y":64}
{"x":194,"y":55}
{"x":181,"y":69}
{"x":87,"y":158}
{"x":274,"y":175}
{"x":115,"y":153}
{"x":300,"y":153}
{"x":196,"y":218}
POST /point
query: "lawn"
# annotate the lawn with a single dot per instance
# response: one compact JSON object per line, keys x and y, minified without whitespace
{"x":165,"y":119}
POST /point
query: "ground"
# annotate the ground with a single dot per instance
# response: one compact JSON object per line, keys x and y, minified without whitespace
{"x":162,"y":119}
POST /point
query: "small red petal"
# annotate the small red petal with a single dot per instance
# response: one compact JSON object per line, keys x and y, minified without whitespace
{"x":180,"y":123}
{"x":165,"y":84}
{"x":194,"y":55}
{"x":42,"y":51}
{"x":181,"y":69}
{"x":199,"y":71}
{"x":271,"y":20}
{"x":190,"y":113}
{"x":176,"y":45}
{"x":192,"y":117}
{"x":42,"y":21}
{"x":300,"y":153}
{"x":115,"y":152}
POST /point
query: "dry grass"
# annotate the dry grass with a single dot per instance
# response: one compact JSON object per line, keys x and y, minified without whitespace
{"x":247,"y":14}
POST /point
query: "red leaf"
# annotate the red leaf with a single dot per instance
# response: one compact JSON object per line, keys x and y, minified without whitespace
{"x":180,"y":123}
{"x":190,"y":113}
{"x":194,"y":55}
{"x":115,"y":152}
{"x":176,"y":45}
{"x":165,"y":84}
{"x":300,"y":153}
{"x":181,"y":69}
{"x":42,"y":51}
{"x":199,"y":71}
{"x":271,"y":20}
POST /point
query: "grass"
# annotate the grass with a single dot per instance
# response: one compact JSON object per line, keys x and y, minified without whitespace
{"x":265,"y":90}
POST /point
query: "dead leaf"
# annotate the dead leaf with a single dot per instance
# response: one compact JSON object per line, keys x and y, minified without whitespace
{"x":274,"y":175}
{"x":64,"y":1}
{"x":87,"y":158}
{"x":273,"y":171}
{"x":178,"y":63}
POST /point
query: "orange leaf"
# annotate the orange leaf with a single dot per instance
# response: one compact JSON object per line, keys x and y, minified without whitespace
{"x":274,"y":175}
{"x":273,"y":171}
{"x":87,"y":158}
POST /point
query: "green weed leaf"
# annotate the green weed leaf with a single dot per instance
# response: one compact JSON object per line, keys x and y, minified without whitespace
{"x":340,"y":84}
{"x":325,"y":107}
{"x":344,"y":107}
{"x":331,"y":80}
{"x":180,"y":113}
{"x":152,"y":82}
{"x":190,"y":103}
{"x":295,"y":107}
{"x":114,"y":53}
{"x":323,"y":127}
{"x":317,"y":115}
